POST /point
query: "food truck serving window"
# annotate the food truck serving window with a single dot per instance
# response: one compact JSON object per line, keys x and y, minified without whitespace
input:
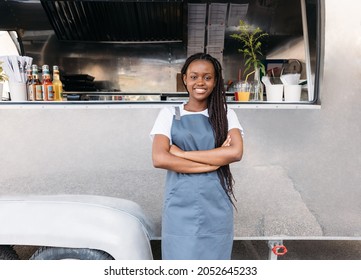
{"x":127,"y":62}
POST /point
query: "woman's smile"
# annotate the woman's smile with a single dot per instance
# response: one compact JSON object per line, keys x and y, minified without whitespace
{"x":200,"y":90}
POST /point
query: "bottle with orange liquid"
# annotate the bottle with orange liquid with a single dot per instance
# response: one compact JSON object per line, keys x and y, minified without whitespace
{"x":47,"y":86}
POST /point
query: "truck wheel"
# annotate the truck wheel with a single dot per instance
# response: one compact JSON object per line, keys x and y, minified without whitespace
{"x":55,"y":253}
{"x":8,"y":253}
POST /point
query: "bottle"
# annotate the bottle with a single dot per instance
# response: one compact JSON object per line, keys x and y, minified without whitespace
{"x":28,"y":81}
{"x":57,"y":84}
{"x":35,"y":86}
{"x":47,"y":86}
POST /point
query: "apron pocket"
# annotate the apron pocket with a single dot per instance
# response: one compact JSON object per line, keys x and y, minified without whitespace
{"x":217,"y":214}
{"x":180,"y":211}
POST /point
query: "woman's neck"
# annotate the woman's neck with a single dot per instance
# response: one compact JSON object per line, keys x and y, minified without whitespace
{"x":195,"y":107}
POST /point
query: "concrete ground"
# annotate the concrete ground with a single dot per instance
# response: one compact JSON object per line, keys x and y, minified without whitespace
{"x":258,"y":250}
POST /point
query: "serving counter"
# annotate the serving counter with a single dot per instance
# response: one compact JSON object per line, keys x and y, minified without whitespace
{"x":117,"y":100}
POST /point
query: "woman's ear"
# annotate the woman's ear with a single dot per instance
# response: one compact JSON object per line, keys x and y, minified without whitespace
{"x":184,"y":79}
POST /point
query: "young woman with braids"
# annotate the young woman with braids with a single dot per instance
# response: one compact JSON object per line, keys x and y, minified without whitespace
{"x":196,"y":142}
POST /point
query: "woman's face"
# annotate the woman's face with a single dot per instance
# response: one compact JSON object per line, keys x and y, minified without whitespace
{"x":200,"y":79}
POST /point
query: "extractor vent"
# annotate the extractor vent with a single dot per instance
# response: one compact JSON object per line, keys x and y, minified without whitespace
{"x":116,"y":21}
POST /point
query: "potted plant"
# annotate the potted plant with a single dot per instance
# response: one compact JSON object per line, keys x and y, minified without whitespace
{"x":251,"y":38}
{"x":3,"y":78}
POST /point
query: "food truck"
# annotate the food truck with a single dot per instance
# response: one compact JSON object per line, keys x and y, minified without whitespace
{"x":76,"y":175}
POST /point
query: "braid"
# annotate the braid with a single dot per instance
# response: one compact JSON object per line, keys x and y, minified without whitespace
{"x":217,"y":111}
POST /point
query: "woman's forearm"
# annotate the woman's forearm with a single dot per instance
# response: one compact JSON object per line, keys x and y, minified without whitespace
{"x":218,"y":156}
{"x":181,"y":165}
{"x":162,"y":158}
{"x":231,"y":151}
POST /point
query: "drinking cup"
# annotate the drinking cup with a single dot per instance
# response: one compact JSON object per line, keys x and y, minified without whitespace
{"x":274,"y":93}
{"x":293,"y":93}
{"x":17,"y":91}
{"x":243,"y":92}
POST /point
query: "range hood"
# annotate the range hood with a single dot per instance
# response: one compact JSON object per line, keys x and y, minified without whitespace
{"x":116,"y":21}
{"x":135,"y":21}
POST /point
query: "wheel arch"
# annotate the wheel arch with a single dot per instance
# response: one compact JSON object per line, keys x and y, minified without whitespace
{"x":113,"y":225}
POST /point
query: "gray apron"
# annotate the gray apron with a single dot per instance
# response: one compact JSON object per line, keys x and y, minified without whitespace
{"x":197,"y":221}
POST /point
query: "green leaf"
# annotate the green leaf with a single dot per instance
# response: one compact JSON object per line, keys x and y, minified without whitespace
{"x":251,"y":38}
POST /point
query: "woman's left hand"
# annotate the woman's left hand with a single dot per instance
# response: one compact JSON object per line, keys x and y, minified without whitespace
{"x":227,"y":142}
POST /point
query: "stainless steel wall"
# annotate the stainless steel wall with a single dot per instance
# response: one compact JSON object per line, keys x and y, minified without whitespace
{"x":129,"y":68}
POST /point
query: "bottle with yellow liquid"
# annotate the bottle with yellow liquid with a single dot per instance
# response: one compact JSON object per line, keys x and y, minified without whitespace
{"x":57,"y":84}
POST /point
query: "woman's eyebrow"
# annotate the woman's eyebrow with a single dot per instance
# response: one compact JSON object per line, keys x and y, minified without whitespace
{"x":202,"y":73}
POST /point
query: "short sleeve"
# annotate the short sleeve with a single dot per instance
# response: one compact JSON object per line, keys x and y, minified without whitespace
{"x":163,"y":123}
{"x":233,"y":121}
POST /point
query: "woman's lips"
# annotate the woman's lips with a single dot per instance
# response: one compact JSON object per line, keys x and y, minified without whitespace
{"x":200,"y":90}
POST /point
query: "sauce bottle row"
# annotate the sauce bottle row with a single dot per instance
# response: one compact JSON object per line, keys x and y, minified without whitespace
{"x":47,"y":89}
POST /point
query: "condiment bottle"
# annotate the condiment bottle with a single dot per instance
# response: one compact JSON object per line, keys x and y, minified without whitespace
{"x":48,"y":91}
{"x":57,"y":84}
{"x":28,"y":82}
{"x":35,"y":86}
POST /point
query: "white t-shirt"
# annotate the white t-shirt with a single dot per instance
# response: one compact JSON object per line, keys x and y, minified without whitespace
{"x":163,"y":123}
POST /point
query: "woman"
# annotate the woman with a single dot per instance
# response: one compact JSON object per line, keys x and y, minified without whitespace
{"x":196,"y":142}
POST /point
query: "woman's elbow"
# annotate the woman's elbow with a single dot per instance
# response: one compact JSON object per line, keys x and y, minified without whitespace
{"x":158,"y":161}
{"x":237,"y":156}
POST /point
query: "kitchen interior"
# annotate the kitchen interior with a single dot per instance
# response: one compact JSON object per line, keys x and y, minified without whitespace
{"x":133,"y":50}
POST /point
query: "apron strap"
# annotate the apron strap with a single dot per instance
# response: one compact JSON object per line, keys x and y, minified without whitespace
{"x":177,"y":113}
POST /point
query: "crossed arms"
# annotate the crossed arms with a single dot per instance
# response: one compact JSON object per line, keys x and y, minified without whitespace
{"x":172,"y":158}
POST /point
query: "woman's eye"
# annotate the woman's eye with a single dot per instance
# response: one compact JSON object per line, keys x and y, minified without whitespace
{"x":193,"y":77}
{"x":208,"y":78}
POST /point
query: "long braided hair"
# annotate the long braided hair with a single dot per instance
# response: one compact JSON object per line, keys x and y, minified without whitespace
{"x":217,"y":111}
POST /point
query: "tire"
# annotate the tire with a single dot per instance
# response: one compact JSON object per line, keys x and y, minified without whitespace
{"x":55,"y":253}
{"x":8,"y":253}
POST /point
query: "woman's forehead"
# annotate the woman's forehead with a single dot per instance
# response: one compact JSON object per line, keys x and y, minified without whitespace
{"x":201,"y":65}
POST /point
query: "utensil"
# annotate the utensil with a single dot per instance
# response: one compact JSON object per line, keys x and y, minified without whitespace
{"x":266,"y":80}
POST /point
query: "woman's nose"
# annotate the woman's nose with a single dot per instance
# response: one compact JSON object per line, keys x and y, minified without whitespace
{"x":200,"y":81}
